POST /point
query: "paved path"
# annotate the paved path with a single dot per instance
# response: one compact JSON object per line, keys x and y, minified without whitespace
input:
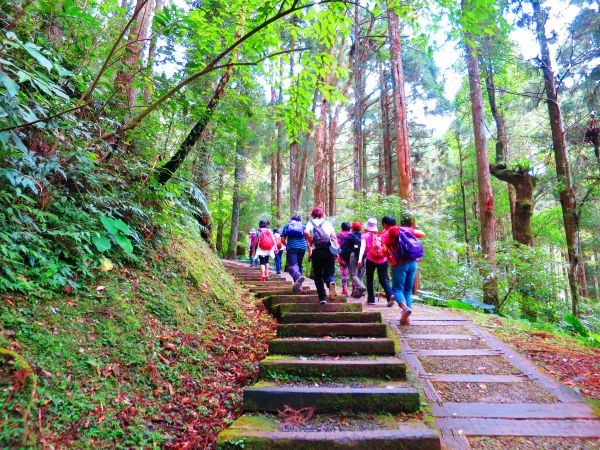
{"x":510,"y":395}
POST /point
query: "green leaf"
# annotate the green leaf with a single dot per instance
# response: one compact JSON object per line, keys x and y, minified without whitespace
{"x":11,"y":86}
{"x":576,"y":324}
{"x":32,"y":50}
{"x":113,"y":226}
{"x":101,"y":242}
{"x":124,"y":243}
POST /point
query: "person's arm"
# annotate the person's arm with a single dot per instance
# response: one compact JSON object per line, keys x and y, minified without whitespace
{"x":363,"y":247}
{"x":308,"y":244}
{"x":274,"y":248}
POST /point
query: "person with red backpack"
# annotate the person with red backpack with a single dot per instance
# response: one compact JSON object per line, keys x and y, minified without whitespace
{"x":403,"y":251}
{"x":265,"y":247}
{"x":371,"y":245}
{"x":280,"y":249}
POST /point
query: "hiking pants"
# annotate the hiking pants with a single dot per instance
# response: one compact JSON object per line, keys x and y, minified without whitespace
{"x":323,"y":264}
{"x":294,"y":262}
{"x":278,"y":261}
{"x":382,"y":275}
{"x":403,"y":279}
{"x":355,"y":274}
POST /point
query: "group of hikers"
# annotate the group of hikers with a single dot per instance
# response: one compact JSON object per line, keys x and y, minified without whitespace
{"x":357,"y":250}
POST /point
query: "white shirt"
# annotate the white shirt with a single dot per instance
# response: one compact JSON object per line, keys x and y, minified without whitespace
{"x":327,"y":228}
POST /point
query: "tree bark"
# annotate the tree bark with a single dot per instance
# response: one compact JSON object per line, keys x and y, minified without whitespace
{"x":561,"y":159}
{"x":165,"y":172}
{"x":320,"y":163}
{"x":158,"y":5}
{"x":280,"y":142}
{"x":273,"y":151}
{"x":386,"y":135}
{"x":238,"y":179}
{"x":358,"y":60}
{"x":461,"y":175}
{"x":401,"y":124}
{"x":486,"y":195}
{"x":132,"y":58}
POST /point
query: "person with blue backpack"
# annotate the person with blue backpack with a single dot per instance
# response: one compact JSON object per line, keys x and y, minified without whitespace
{"x":322,"y":248}
{"x":294,"y":240}
{"x":404,"y":250}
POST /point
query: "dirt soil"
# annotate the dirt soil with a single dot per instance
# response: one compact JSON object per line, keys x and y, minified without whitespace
{"x":493,"y":365}
{"x":532,"y":443}
{"x":446,"y":344}
{"x":526,"y":392}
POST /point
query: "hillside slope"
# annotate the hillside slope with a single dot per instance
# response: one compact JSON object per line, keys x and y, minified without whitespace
{"x":143,"y":358}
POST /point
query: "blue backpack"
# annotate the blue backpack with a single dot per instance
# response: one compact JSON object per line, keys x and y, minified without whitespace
{"x":409,"y":247}
{"x":295,"y":229}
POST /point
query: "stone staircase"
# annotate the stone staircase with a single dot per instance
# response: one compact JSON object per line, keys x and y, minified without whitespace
{"x":335,"y":359}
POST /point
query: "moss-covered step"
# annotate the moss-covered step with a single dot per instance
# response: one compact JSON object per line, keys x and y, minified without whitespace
{"x":335,"y":317}
{"x":258,"y":432}
{"x":393,"y":368}
{"x":267,"y":291}
{"x":266,"y":397}
{"x":302,"y":298}
{"x":268,"y":284}
{"x":284,"y":308}
{"x":332,"y":329}
{"x":344,"y":346}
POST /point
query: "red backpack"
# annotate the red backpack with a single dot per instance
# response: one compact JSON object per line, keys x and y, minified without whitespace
{"x":376,"y":249}
{"x":265,"y":239}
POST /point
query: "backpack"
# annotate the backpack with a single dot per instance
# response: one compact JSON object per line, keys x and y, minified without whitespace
{"x":295,"y":229}
{"x":409,"y":247}
{"x":265,"y":240}
{"x":376,"y":251}
{"x":319,"y":237}
{"x":350,"y":244}
{"x":278,"y":242}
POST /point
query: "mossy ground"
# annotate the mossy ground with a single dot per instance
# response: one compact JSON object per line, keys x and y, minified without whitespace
{"x":150,"y":357}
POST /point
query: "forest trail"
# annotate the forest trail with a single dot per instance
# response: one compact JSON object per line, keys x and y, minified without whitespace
{"x":482,"y":393}
{"x":333,"y":376}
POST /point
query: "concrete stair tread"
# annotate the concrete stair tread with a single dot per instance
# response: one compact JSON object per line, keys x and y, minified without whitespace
{"x":345,"y":384}
{"x":336,"y":346}
{"x":331,"y":329}
{"x":262,"y":431}
{"x":284,"y":308}
{"x":339,"y":317}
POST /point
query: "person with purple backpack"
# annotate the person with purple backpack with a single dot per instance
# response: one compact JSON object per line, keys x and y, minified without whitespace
{"x":404,"y":250}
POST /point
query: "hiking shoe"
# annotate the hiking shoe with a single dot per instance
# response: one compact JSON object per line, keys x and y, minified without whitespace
{"x":391,"y":301}
{"x":370,"y":303}
{"x":298,"y":284}
{"x":344,"y":291}
{"x":263,"y":279}
{"x":332,"y":291}
{"x":323,"y":301}
{"x":404,"y":317}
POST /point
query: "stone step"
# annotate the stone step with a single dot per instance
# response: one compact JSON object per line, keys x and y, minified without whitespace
{"x":261,"y":432}
{"x":339,"y":317}
{"x":268,"y":284}
{"x":303,"y":298}
{"x":266,"y":291}
{"x":393,"y":398}
{"x":393,"y":368}
{"x":332,"y":329}
{"x":284,"y":308}
{"x":319,"y":346}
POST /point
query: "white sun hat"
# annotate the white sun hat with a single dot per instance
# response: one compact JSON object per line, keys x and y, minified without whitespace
{"x":371,"y":225}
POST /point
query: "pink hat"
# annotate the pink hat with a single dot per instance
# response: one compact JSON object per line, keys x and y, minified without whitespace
{"x":371,"y":225}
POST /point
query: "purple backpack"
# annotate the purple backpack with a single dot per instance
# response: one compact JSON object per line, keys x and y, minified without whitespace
{"x":409,"y":247}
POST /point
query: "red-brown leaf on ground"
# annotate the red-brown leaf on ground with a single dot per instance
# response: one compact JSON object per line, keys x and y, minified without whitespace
{"x":293,"y":416}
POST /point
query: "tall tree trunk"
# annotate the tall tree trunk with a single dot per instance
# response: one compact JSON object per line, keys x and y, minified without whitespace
{"x":358,"y":57}
{"x":331,"y":136}
{"x":158,"y":6}
{"x":273,"y":151}
{"x":461,"y":175}
{"x":521,"y":206}
{"x":280,"y":142}
{"x":220,"y":221}
{"x":132,"y":58}
{"x":238,"y":179}
{"x":386,"y":135}
{"x":486,"y":195}
{"x":561,"y":158}
{"x":401,"y":122}
{"x":165,"y":172}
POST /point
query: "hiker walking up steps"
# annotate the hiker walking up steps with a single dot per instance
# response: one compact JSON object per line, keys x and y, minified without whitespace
{"x":252,"y":237}
{"x":320,"y":236}
{"x":350,"y":253}
{"x":404,"y":250}
{"x":371,"y":245}
{"x":265,"y":247}
{"x":292,"y":236}
{"x":345,"y":226}
{"x":280,"y":249}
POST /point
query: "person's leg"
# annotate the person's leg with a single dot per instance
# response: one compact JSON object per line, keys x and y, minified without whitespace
{"x":261,"y":261}
{"x":250,"y":258}
{"x":411,"y":272}
{"x":344,"y":277}
{"x":292,"y":262}
{"x":370,"y":268}
{"x":353,"y":270}
{"x":382,"y":275}
{"x":278,"y":262}
{"x":267,"y":266}
{"x":329,"y":273}
{"x":317,"y":266}
{"x":398,"y":278}
{"x":301,"y":254}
